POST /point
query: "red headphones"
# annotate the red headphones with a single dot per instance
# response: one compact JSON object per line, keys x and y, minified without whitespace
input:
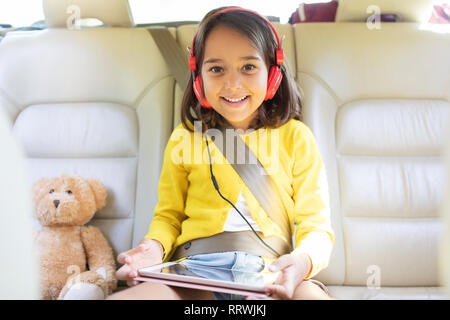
{"x":275,"y":74}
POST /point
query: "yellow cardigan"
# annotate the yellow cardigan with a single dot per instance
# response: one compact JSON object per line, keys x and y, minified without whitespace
{"x":189,"y":207}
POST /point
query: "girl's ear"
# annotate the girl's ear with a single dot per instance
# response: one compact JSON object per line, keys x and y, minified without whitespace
{"x":99,"y":192}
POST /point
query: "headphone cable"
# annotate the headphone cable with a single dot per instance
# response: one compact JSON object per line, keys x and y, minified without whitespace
{"x":216,"y":186}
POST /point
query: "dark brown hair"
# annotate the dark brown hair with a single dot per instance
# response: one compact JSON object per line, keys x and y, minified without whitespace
{"x":286,"y":103}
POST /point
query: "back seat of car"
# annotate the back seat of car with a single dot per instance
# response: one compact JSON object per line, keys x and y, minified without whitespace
{"x":101,"y":102}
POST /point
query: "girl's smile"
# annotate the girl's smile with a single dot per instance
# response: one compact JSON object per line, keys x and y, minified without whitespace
{"x":235,"y":102}
{"x":234,"y":76}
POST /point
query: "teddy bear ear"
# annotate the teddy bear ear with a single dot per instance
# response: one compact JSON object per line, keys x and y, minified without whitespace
{"x":99,"y":192}
{"x":38,"y":188}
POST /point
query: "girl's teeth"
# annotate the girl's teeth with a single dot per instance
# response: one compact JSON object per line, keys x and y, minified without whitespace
{"x":235,"y":100}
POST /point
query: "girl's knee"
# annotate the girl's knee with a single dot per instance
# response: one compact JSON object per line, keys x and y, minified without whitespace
{"x":308,"y":290}
{"x":158,"y":291}
{"x":145,"y":291}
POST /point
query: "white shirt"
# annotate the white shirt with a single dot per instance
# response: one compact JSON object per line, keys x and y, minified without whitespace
{"x":235,"y":222}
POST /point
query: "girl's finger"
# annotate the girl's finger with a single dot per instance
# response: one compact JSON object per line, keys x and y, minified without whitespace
{"x":122,"y":273}
{"x":288,"y":283}
{"x":121,"y":257}
{"x":133,"y":274}
{"x":142,"y":247}
{"x":132,"y":283}
{"x":276,"y":291}
{"x":126,"y":257}
{"x":281,"y":263}
{"x":134,"y":251}
{"x":279,"y":278}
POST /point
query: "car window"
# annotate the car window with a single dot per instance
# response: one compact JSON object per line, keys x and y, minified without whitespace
{"x":175,"y":10}
{"x":20,"y":13}
{"x":441,"y":12}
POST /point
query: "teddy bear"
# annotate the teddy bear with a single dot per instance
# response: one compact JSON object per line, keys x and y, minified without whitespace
{"x":75,"y":261}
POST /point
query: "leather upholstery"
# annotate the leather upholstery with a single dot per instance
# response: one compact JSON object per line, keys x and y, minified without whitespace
{"x":387,"y":293}
{"x":378,"y":108}
{"x":113,"y":13}
{"x":406,"y":10}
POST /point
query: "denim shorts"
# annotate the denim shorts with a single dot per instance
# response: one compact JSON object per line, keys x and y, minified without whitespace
{"x":233,"y":260}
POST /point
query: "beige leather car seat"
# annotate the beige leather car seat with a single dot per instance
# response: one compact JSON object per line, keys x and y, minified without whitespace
{"x":97,"y":102}
{"x":377,"y":101}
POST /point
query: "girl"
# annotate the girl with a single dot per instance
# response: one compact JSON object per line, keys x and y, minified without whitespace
{"x":239,"y":80}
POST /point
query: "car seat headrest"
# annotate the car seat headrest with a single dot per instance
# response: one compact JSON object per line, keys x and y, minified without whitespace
{"x":113,"y":13}
{"x":406,"y":10}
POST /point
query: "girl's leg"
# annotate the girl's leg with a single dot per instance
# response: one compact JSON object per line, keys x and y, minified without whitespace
{"x":308,"y":290}
{"x":157,"y":291}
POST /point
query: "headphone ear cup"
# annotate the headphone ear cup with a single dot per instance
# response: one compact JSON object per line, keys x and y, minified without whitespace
{"x":273,"y":82}
{"x":199,"y":93}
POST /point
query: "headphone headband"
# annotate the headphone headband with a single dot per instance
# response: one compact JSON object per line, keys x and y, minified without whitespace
{"x":279,"y":51}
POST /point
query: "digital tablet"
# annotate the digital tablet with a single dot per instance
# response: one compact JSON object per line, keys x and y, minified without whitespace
{"x":208,"y":278}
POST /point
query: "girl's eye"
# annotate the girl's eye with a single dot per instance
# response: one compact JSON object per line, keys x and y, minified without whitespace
{"x":249,"y":67}
{"x":51,"y":191}
{"x":216,"y":69}
{"x":69,"y":192}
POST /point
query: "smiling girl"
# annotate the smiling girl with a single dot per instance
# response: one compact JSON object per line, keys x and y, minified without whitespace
{"x":238,"y":80}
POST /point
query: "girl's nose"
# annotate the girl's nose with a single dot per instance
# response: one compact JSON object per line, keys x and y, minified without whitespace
{"x":233,"y":81}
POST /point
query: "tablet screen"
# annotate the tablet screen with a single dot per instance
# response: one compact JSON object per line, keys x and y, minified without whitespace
{"x":201,"y":274}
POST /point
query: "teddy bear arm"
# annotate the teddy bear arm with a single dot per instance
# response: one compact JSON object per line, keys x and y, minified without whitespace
{"x":99,"y":254}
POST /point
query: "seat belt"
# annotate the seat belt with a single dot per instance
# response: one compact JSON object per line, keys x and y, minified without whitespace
{"x":252,"y":173}
{"x":256,"y":178}
{"x":173,"y":54}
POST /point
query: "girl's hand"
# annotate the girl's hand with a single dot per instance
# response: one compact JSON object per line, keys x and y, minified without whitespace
{"x":148,"y":253}
{"x":294,"y":269}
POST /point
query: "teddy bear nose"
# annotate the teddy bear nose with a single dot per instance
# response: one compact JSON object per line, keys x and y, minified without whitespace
{"x":56,"y":203}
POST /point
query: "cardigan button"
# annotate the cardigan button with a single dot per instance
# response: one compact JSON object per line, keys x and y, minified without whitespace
{"x":187,"y":245}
